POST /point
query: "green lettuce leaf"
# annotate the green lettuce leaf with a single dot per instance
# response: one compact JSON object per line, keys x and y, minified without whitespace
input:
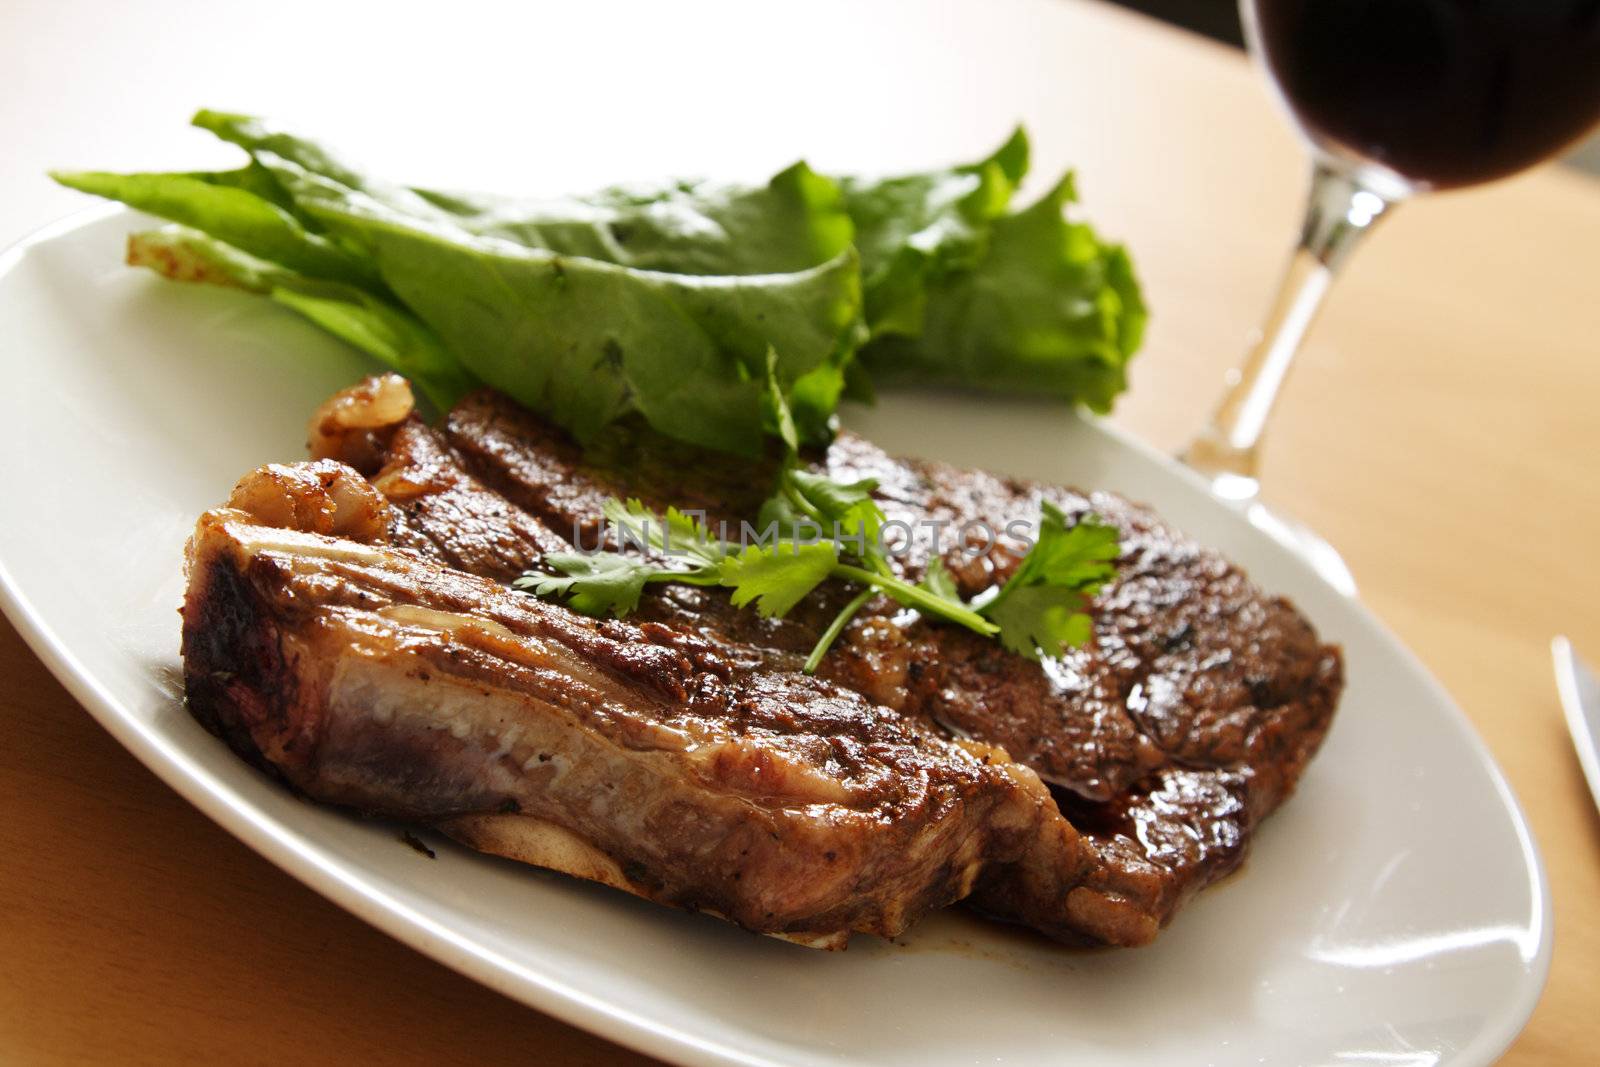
{"x":378,"y":327}
{"x":794,"y":222}
{"x":1050,"y":309}
{"x":917,"y":228}
{"x":587,"y":340}
{"x":388,"y":333}
{"x":228,"y":209}
{"x":685,"y":303}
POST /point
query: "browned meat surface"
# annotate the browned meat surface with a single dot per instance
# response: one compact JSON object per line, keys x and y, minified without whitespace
{"x":368,"y":676}
{"x":1187,"y":720}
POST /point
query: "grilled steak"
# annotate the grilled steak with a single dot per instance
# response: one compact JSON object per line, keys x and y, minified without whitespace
{"x":636,"y":756}
{"x":1187,"y":720}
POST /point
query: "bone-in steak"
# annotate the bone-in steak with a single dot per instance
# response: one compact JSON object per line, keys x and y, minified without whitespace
{"x":914,"y":753}
{"x":632,"y":755}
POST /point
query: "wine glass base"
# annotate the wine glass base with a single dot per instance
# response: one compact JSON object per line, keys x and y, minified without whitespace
{"x":1303,"y":542}
{"x":1223,"y":467}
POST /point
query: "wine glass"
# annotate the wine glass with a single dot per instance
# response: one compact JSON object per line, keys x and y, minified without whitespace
{"x":1394,"y":98}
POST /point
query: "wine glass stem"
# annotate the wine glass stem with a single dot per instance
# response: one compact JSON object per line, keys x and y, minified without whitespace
{"x":1339,"y":211}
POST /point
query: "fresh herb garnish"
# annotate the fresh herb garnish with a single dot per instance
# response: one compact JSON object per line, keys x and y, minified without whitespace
{"x":1039,"y":609}
{"x":772,"y":576}
{"x":829,"y":529}
{"x":1042,"y":604}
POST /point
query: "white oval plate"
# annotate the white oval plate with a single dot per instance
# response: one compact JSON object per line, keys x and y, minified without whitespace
{"x":1394,"y":912}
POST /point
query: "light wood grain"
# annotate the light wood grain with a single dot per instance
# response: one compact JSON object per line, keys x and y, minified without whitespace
{"x":1441,"y":431}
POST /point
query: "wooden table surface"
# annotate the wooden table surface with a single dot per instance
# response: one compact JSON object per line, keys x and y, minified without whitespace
{"x":1441,"y":430}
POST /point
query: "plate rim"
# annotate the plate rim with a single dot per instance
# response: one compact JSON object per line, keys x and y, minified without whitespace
{"x":275,"y":842}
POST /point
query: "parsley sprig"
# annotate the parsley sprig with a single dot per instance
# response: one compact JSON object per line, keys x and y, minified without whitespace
{"x":813,"y":529}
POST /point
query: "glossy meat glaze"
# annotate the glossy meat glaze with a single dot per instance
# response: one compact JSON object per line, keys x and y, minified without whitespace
{"x":689,"y":759}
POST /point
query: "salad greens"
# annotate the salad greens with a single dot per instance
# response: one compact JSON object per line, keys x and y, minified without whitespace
{"x":1064,"y":308}
{"x":682,"y":303}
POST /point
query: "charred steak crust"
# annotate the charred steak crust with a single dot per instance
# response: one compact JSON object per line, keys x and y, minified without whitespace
{"x":1165,"y":742}
{"x":1187,"y":720}
{"x":368,"y":676}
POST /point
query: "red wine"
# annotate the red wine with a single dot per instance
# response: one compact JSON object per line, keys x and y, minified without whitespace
{"x":1442,"y":92}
